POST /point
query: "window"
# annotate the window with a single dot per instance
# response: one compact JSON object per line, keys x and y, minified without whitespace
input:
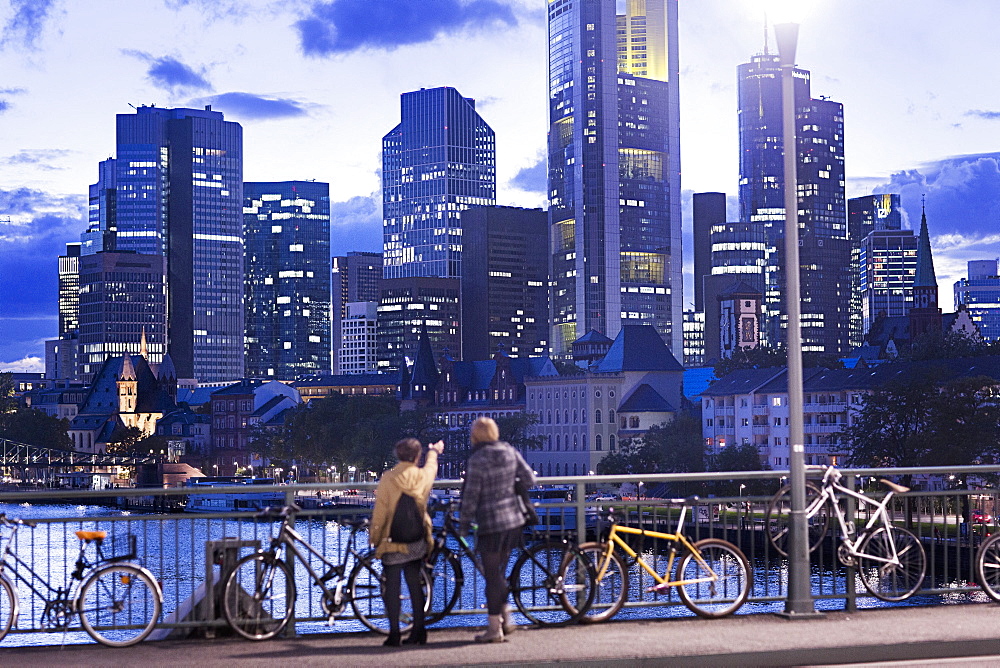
{"x":777,"y":422}
{"x":709,"y":422}
{"x":624,"y":423}
{"x":597,"y":417}
{"x":775,"y":401}
{"x":611,"y":442}
{"x":597,"y":442}
{"x":633,"y":422}
{"x":611,"y":417}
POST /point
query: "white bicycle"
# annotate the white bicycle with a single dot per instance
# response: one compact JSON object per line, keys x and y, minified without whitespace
{"x":890,"y":560}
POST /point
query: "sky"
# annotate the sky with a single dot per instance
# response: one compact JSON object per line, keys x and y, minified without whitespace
{"x":316,"y":85}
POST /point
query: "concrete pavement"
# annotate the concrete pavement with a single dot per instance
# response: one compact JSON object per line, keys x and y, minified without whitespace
{"x":966,"y":635}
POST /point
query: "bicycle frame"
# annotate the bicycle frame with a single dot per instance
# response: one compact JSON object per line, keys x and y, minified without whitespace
{"x":828,"y":495}
{"x":675,"y":538}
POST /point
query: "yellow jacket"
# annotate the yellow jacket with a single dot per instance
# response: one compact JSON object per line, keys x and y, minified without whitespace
{"x":408,"y":478}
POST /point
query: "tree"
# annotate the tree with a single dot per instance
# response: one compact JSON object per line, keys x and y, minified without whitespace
{"x":34,"y":427}
{"x":745,"y":457}
{"x":964,"y":423}
{"x":673,"y":447}
{"x":8,"y":402}
{"x":125,"y":441}
{"x":763,"y":357}
{"x":515,"y":430}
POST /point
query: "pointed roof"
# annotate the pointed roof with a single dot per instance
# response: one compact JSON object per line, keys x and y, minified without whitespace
{"x":638,"y":348}
{"x":645,"y":400}
{"x":739,"y":288}
{"x":128,"y":371}
{"x":593,"y":336}
{"x":166,"y":370}
{"x":924,"y":277}
{"x":424,"y":370}
{"x":143,"y":346}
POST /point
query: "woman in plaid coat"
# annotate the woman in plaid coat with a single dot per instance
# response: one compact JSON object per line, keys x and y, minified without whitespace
{"x":490,"y":502}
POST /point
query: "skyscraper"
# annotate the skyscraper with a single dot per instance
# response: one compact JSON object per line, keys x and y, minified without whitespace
{"x":504,"y":282}
{"x":175,"y":189}
{"x":883,"y":261}
{"x":614,"y":169}
{"x":287,"y":235}
{"x":439,"y":160}
{"x":355,"y":277}
{"x":123,"y":309}
{"x":980,"y":292}
{"x":824,"y":245}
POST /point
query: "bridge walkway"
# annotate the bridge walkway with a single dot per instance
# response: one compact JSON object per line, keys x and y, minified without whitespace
{"x":966,"y":635}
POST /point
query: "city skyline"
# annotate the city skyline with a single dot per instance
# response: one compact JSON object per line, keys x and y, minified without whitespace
{"x":910,"y":107}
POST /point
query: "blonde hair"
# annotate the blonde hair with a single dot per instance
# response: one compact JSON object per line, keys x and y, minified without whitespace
{"x":485,"y":430}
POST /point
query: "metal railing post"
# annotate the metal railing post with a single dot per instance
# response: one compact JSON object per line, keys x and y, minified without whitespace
{"x":851,"y":586}
{"x":581,"y":512}
{"x":290,"y":631}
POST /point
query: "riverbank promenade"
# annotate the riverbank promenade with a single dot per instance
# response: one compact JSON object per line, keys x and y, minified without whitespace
{"x":960,"y":635}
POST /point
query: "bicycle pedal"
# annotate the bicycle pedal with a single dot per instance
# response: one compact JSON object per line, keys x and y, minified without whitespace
{"x":657,"y":589}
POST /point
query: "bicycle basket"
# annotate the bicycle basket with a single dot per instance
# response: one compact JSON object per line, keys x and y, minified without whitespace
{"x":119,"y":547}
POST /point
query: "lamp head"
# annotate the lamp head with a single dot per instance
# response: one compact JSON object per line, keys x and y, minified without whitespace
{"x":787,"y":36}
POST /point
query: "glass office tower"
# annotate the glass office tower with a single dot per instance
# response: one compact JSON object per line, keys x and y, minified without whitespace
{"x":824,"y":246}
{"x":882,"y":266}
{"x":980,"y":293}
{"x":178,"y":192}
{"x":614,"y":169}
{"x":439,"y":160}
{"x":286,"y":227}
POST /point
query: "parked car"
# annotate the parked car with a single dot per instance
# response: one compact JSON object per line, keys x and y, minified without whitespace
{"x":979,"y":517}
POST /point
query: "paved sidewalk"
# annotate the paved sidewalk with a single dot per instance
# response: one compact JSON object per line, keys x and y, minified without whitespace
{"x":956,"y":635}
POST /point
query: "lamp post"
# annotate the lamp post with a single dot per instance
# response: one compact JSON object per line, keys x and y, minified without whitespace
{"x":799,"y":601}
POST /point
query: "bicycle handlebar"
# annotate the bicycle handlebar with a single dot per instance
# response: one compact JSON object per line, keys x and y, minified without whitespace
{"x":14,"y":521}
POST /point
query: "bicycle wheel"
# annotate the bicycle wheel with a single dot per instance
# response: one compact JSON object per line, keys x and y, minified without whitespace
{"x":885,"y":580}
{"x":446,"y":580}
{"x":365,"y":589}
{"x":259,"y":596}
{"x":552,"y":583}
{"x":718,"y":583}
{"x":119,"y":605}
{"x":778,"y":513}
{"x":988,"y":566}
{"x":8,"y":600}
{"x":611,"y":586}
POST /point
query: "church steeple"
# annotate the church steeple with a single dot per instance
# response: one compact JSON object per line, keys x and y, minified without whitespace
{"x":925,"y":316}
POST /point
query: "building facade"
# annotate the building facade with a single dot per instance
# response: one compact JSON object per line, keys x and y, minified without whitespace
{"x":865,"y":215}
{"x":286,"y":228}
{"x":439,"y":160}
{"x":409,"y":305}
{"x":504,"y":282}
{"x":356,"y":277}
{"x":358,"y":345}
{"x":980,"y":293}
{"x":614,"y":169}
{"x":824,"y":246}
{"x":123,"y":309}
{"x":175,"y":189}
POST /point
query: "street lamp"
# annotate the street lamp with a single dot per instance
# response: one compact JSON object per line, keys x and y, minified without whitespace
{"x":799,"y":601}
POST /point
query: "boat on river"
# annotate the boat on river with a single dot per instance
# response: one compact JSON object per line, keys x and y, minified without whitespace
{"x":202,"y":498}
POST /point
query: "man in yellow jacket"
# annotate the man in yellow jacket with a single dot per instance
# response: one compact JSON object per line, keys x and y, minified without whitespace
{"x":404,"y":558}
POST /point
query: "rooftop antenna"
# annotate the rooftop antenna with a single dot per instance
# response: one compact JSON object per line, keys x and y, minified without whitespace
{"x":131,"y":105}
{"x":765,"y":33}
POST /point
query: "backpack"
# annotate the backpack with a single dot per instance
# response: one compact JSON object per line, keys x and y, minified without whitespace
{"x":407,"y":522}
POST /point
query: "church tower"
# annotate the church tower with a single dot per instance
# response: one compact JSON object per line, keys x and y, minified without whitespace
{"x":925,"y":316}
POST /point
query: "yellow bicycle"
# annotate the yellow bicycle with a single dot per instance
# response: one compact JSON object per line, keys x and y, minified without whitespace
{"x":712,"y":576}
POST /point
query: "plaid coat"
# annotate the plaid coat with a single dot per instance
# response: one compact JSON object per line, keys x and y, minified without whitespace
{"x":488,"y":497}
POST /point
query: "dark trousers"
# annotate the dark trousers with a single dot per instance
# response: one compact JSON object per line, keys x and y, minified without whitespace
{"x":393,"y":588}
{"x":494,"y":572}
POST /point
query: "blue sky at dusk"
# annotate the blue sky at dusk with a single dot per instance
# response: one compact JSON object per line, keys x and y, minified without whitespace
{"x":316,"y":84}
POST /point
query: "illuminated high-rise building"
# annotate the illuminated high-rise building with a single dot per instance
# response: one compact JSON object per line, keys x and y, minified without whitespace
{"x":355,"y":277}
{"x":883,"y":261}
{"x":824,"y":247}
{"x":287,"y":233}
{"x":439,"y":160}
{"x":614,"y":169}
{"x":175,"y":189}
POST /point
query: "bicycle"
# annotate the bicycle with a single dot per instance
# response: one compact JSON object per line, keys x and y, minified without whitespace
{"x":117,"y":602}
{"x":712,"y":576}
{"x":890,"y":560}
{"x":551,"y":580}
{"x":988,"y":566}
{"x":259,"y":595}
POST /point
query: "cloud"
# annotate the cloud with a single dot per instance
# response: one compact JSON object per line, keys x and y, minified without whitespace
{"x":533,"y":179}
{"x":42,"y":157}
{"x":24,"y":28}
{"x":343,"y":26}
{"x":986,"y":115}
{"x":356,"y":224}
{"x":33,"y":234}
{"x":6,"y":92}
{"x":248,"y":106}
{"x":170,"y":74}
{"x":28,"y":364}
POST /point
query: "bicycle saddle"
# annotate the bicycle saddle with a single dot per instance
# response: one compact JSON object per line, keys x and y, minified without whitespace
{"x":899,"y":489}
{"x":91,"y":535}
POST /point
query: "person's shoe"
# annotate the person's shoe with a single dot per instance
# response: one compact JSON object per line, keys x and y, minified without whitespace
{"x":393,"y":639}
{"x":416,"y":637}
{"x":507,"y":621}
{"x":494,"y":630}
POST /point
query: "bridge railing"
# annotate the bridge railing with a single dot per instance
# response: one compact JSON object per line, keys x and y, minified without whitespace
{"x":173,"y":545}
